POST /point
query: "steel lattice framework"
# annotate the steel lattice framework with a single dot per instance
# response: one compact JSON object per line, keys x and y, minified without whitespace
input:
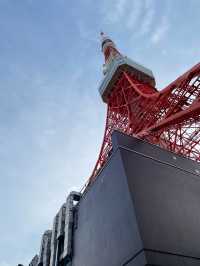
{"x":169,"y":118}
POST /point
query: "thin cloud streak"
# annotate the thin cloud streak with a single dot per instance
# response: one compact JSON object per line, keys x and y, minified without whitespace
{"x":134,"y":14}
{"x":161,"y":31}
{"x":115,"y":11}
{"x":149,"y":15}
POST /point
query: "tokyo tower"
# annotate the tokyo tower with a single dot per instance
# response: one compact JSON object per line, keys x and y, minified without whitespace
{"x":169,"y":118}
{"x":141,"y":204}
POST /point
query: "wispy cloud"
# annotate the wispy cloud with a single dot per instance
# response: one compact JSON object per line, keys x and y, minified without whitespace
{"x":149,"y":14}
{"x":120,"y":7}
{"x":4,"y":263}
{"x":114,"y":11}
{"x":138,"y":17}
{"x":134,"y":14}
{"x":161,"y":30}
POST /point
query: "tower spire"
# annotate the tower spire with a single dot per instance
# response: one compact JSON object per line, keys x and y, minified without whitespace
{"x":109,"y":50}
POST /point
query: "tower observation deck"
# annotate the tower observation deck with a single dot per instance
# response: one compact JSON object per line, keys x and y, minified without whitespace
{"x":115,"y":64}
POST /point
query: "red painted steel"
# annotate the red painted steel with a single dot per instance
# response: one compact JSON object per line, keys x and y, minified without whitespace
{"x":169,"y":118}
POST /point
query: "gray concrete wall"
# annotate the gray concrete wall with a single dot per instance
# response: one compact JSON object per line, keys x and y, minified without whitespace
{"x":107,"y":232}
{"x":166,"y":197}
{"x":143,"y":209}
{"x":167,"y":204}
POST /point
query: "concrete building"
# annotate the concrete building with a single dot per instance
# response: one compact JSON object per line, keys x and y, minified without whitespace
{"x":143,"y":209}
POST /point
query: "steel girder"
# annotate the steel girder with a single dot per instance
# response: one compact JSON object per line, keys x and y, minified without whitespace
{"x":169,"y":118}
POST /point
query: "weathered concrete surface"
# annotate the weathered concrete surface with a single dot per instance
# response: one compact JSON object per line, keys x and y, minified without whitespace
{"x":143,"y":209}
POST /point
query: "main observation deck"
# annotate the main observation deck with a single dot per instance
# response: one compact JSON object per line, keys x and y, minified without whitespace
{"x":116,"y":67}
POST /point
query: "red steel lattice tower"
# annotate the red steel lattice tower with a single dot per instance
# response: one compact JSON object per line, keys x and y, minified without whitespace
{"x":169,"y":118}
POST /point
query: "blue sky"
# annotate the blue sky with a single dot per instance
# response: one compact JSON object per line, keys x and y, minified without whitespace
{"x":51,"y":115}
